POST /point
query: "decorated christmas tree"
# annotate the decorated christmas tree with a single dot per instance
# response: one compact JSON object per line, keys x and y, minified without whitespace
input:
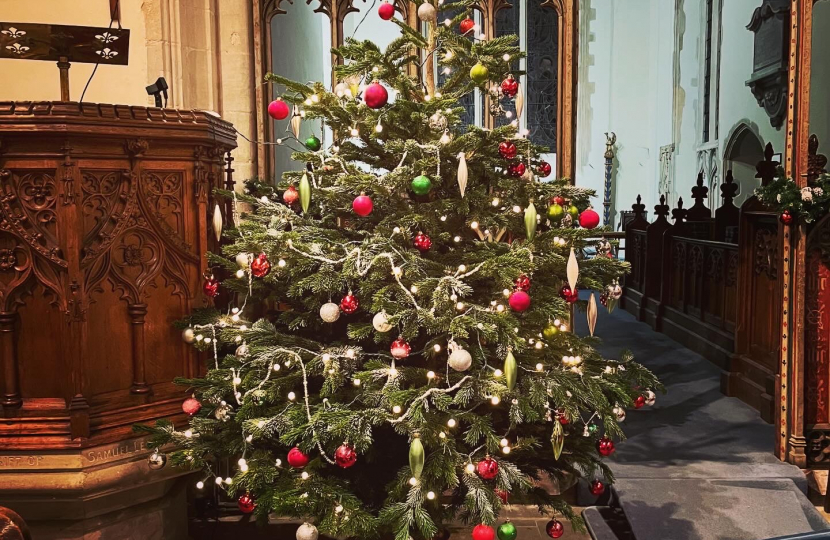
{"x":398,"y":350}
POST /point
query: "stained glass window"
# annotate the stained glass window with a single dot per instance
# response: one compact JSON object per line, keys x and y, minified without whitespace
{"x":508,"y":23}
{"x":467,"y":101}
{"x":542,"y":73}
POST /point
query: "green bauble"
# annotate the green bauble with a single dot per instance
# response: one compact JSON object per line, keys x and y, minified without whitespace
{"x":479,"y":73}
{"x":416,"y":456}
{"x":573,"y":211}
{"x":507,"y":531}
{"x":593,"y":429}
{"x":556,"y":212}
{"x":421,"y":185}
{"x":312,"y":143}
{"x":510,"y":368}
{"x":550,"y":331}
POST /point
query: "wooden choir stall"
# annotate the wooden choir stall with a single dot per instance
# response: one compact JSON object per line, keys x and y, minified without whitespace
{"x":104,"y":213}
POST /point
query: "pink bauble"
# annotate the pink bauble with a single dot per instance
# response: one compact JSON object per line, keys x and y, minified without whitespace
{"x":519,"y":301}
{"x":375,"y":95}
{"x":386,"y":11}
{"x":363,"y":205}
{"x":191,"y":406}
{"x":296,"y":458}
{"x":588,"y":219}
{"x":278,"y":109}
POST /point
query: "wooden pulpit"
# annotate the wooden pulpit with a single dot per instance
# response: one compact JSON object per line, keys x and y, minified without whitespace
{"x":104,"y":213}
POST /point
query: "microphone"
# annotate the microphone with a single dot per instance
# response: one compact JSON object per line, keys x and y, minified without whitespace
{"x":157,"y":89}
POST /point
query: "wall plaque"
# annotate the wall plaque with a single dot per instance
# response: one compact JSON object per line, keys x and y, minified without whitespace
{"x":770,"y":24}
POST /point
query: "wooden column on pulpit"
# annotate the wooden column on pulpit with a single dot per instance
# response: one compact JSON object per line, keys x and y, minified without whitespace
{"x":103,"y":235}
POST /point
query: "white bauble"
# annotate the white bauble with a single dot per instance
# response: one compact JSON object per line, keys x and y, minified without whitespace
{"x":243,"y":260}
{"x":615,"y":291}
{"x":460,"y":360}
{"x":342,"y":90}
{"x":330,"y":312}
{"x":381,"y":322}
{"x":307,"y":531}
{"x":188,"y":335}
{"x":619,"y":412}
{"x":241,"y":351}
{"x":650,"y":398}
{"x":427,"y":12}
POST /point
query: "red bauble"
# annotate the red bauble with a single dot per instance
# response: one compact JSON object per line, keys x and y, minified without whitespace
{"x":278,"y":109}
{"x":386,"y":11}
{"x":568,"y":295}
{"x":605,"y":446}
{"x":523,"y":283}
{"x":786,"y":217}
{"x":639,"y":401}
{"x":466,"y":25}
{"x":422,"y":242}
{"x":510,"y":86}
{"x":519,"y":300}
{"x":291,"y":195}
{"x":211,"y":287}
{"x":488,"y":468}
{"x":559,"y":200}
{"x":502,"y":494}
{"x":246,"y":504}
{"x":260,"y":266}
{"x":544,"y":169}
{"x":296,"y":458}
{"x":562,"y":417}
{"x":345,"y":456}
{"x":363,"y":205}
{"x":603,"y":299}
{"x":516,"y":170}
{"x":375,"y":95}
{"x":588,"y":219}
{"x":507,"y":150}
{"x":349,"y":304}
{"x":191,"y":406}
{"x":555,"y":529}
{"x":483,"y":532}
{"x":597,"y":488}
{"x":400,"y":349}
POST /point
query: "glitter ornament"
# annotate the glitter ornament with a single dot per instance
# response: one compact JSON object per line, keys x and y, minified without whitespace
{"x":522,"y":283}
{"x":605,"y":446}
{"x":597,"y":488}
{"x":381,"y":322}
{"x":555,"y":529}
{"x":400,"y":349}
{"x":307,"y":531}
{"x":345,"y":456}
{"x":296,"y":458}
{"x":375,"y":95}
{"x":483,"y":532}
{"x":386,"y":11}
{"x":516,"y":170}
{"x":278,"y":109}
{"x":157,"y":460}
{"x":330,"y":312}
{"x":363,"y":205}
{"x":246,"y":503}
{"x":519,"y":301}
{"x":507,"y":149}
{"x":460,"y":359}
{"x":260,"y":266}
{"x":466,"y":25}
{"x":349,"y":304}
{"x":290,"y":195}
{"x":211,"y":287}
{"x":422,"y":242}
{"x":488,"y":468}
{"x":543,"y":169}
{"x":421,"y":185}
{"x":510,"y":86}
{"x":191,"y":406}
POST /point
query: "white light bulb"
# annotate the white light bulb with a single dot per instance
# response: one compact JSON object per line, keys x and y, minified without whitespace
{"x":218,"y":480}
{"x":495,"y":201}
{"x":427,"y":97}
{"x":454,"y":297}
{"x":279,"y":462}
{"x":413,"y":481}
{"x":539,"y":367}
{"x":396,"y":409}
{"x":505,"y":450}
{"x":349,"y":353}
{"x":393,"y":372}
{"x":356,"y":382}
{"x":188,"y":434}
{"x":451,"y":422}
{"x":495,"y":400}
{"x":517,"y":209}
{"x":237,"y":381}
{"x":200,"y":485}
{"x":208,"y":340}
{"x":448,"y":55}
{"x":438,"y":95}
{"x":474,"y":225}
{"x":470,"y":468}
{"x":235,"y":317}
{"x":557,"y":322}
{"x":315,"y":98}
{"x":244,"y":468}
{"x":436,"y":348}
{"x":375,"y":69}
{"x":304,"y":475}
{"x":447,"y":71}
{"x":459,"y":306}
{"x":240,"y":273}
{"x":281,"y":263}
{"x":397,"y":271}
{"x":292,"y":396}
{"x":430,"y":495}
{"x":338,"y":509}
{"x":396,"y":230}
{"x":457,"y":239}
{"x":442,"y":435}
{"x":307,"y":102}
{"x":355,"y":132}
{"x":462,"y":268}
{"x":447,"y":22}
{"x":378,"y":128}
{"x":498,"y":373}
{"x":414,"y":289}
{"x":228,"y":480}
{"x":539,"y":345}
{"x":199,"y":337}
{"x":504,"y":442}
{"x":443,"y":218}
{"x":430,"y":374}
{"x":277,"y":367}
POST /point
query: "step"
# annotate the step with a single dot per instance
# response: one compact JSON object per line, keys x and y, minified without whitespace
{"x":715,"y":509}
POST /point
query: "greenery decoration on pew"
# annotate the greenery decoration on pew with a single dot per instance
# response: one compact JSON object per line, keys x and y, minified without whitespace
{"x":399,"y":354}
{"x":809,"y":203}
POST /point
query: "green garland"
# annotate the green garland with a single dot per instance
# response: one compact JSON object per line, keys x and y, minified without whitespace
{"x":809,"y":203}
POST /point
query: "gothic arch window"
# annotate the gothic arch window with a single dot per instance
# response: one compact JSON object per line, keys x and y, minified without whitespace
{"x":710,"y":98}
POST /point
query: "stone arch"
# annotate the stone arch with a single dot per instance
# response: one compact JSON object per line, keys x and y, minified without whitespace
{"x":744,"y":149}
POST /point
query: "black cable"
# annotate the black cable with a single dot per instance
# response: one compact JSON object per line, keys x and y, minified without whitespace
{"x":95,"y":69}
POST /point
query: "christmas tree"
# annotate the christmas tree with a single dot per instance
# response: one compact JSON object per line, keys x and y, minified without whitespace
{"x":398,"y":350}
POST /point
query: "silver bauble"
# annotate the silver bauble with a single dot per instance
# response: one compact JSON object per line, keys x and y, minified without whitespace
{"x":307,"y":531}
{"x":427,"y":12}
{"x":330,"y":312}
{"x":188,"y":335}
{"x":460,"y":360}
{"x":241,"y":351}
{"x":222,"y":412}
{"x":381,"y":322}
{"x":157,"y":460}
{"x":619,"y":412}
{"x":243,"y":260}
{"x":438,"y":122}
{"x":650,"y":397}
{"x":615,"y":291}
